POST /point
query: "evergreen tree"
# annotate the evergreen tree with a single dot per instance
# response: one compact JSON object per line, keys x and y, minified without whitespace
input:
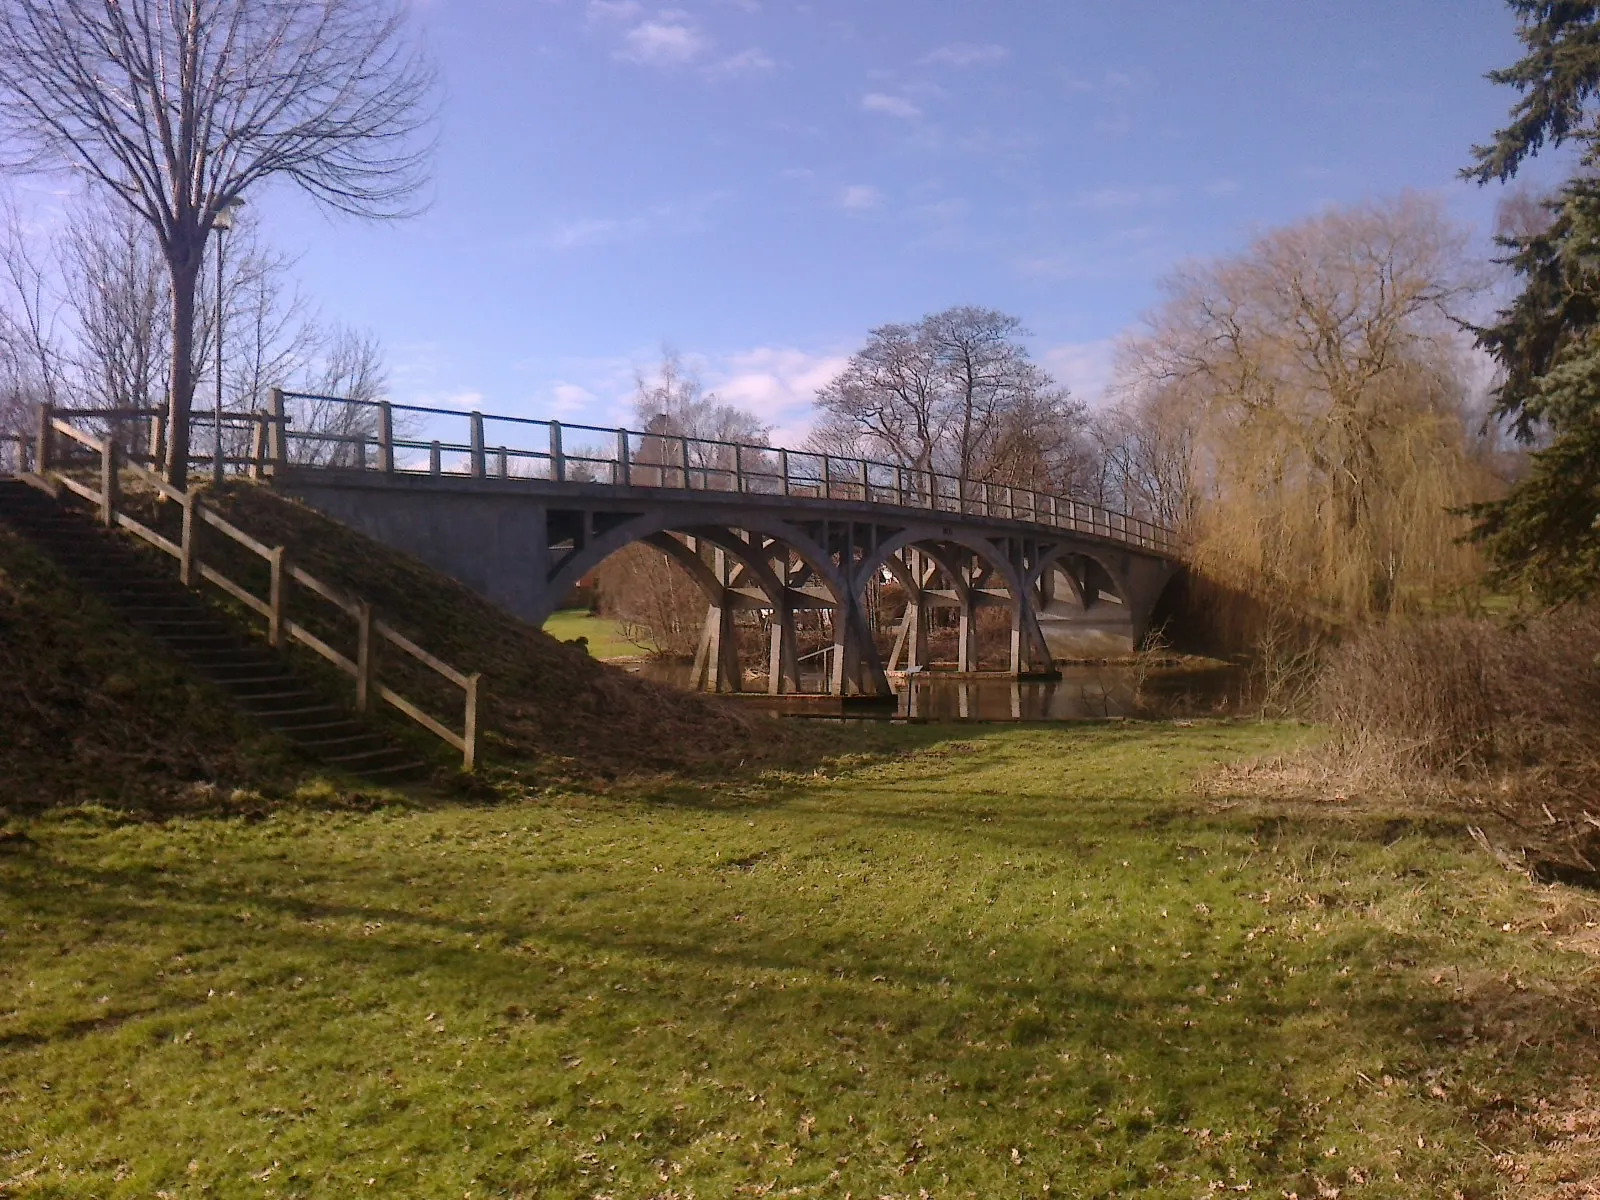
{"x":1546,"y":532}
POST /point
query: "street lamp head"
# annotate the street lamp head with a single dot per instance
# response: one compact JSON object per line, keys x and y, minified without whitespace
{"x":223,"y":221}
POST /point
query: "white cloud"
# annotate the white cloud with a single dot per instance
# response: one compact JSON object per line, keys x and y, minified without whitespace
{"x":777,"y":383}
{"x":572,"y":399}
{"x":666,"y":42}
{"x":753,"y":61}
{"x":964,"y":54}
{"x":890,"y":106}
{"x":1087,"y":368}
{"x":614,"y":11}
{"x":860,"y":197}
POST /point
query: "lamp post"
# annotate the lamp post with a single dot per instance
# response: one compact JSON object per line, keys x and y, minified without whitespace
{"x":221,"y":224}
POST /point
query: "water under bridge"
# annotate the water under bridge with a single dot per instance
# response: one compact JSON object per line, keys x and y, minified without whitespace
{"x":521,"y":510}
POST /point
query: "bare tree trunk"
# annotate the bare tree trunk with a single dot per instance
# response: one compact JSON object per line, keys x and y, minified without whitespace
{"x":185,"y":276}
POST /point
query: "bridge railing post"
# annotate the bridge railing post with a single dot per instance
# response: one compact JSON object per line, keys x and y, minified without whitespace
{"x":624,"y":474}
{"x":435,"y":458}
{"x":738,"y":467}
{"x":866,"y":484}
{"x":783,"y":468}
{"x":683,"y":447}
{"x":558,"y":460}
{"x":386,"y":437}
{"x":479,"y":467}
{"x":827,"y":481}
{"x":278,"y":431}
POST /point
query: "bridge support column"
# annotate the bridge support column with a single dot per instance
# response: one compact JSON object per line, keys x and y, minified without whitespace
{"x":856,"y":667}
{"x":910,"y":651}
{"x":716,"y":662}
{"x":967,"y":631}
{"x":783,"y":658}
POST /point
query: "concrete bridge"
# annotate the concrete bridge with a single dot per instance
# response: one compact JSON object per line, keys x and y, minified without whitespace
{"x":520,"y":510}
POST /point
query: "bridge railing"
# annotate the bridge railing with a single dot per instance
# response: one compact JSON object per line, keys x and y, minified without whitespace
{"x":410,"y":439}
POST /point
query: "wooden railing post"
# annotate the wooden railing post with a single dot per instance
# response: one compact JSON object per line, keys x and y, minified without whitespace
{"x":469,"y":735}
{"x":479,"y":467}
{"x":683,"y":445}
{"x":277,"y":598}
{"x":189,"y":551}
{"x":827,"y":479}
{"x":364,"y":663}
{"x":624,"y":476}
{"x":108,"y":482}
{"x":783,"y":465}
{"x":435,"y":458}
{"x":866,"y":484}
{"x":738,"y":467}
{"x":258,"y":445}
{"x":42,"y":458}
{"x":158,"y":441}
{"x":386,"y":437}
{"x":558,"y":458}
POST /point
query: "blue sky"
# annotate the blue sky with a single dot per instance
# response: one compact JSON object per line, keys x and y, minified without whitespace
{"x":759,"y":182}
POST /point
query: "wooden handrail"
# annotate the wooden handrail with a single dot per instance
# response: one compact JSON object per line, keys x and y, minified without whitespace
{"x":108,"y":499}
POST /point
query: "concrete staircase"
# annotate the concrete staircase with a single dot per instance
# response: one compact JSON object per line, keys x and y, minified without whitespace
{"x":259,"y":681}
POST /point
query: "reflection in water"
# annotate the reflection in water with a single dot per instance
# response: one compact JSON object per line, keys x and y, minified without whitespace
{"x":1083,"y":693}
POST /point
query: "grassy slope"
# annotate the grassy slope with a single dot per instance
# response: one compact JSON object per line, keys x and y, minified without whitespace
{"x":605,"y":641}
{"x":1028,"y":957}
{"x":547,"y":705}
{"x":91,"y":711}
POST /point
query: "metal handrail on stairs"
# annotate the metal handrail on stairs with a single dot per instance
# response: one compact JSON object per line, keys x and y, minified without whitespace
{"x":43,"y":473}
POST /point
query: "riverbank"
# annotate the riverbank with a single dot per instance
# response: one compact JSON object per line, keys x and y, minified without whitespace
{"x":968,"y":962}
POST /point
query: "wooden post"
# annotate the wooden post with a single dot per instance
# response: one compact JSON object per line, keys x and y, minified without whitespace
{"x":386,"y":437}
{"x":900,"y":486}
{"x":277,"y":598}
{"x":189,"y":550}
{"x":158,"y":440}
{"x":738,"y":467}
{"x":502,"y":464}
{"x":866,"y":484}
{"x":435,"y":457}
{"x":479,"y":467}
{"x":683,"y":444}
{"x":469,"y":756}
{"x":108,"y":482}
{"x":783,"y":465}
{"x":41,"y":454}
{"x":363,"y":656}
{"x":277,"y":448}
{"x":624,"y":476}
{"x":558,"y":460}
{"x":258,"y":445}
{"x":827,"y":480}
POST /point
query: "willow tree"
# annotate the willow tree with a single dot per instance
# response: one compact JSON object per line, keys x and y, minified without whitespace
{"x":179,"y":108}
{"x":1322,"y":371}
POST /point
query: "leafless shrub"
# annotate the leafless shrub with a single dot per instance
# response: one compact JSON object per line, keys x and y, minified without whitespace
{"x":1468,"y":698}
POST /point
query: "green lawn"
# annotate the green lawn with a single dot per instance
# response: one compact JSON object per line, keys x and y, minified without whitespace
{"x":997,"y":962}
{"x":605,"y":639}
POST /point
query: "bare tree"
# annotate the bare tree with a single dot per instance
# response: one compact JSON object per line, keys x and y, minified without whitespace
{"x":671,"y":403}
{"x":955,"y":393}
{"x":178,"y":108}
{"x":116,"y":289}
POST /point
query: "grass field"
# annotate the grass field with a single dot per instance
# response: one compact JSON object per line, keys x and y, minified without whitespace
{"x":999,"y":962}
{"x":605,"y":641}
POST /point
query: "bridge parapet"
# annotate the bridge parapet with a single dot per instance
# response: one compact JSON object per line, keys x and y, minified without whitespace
{"x":408,"y":439}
